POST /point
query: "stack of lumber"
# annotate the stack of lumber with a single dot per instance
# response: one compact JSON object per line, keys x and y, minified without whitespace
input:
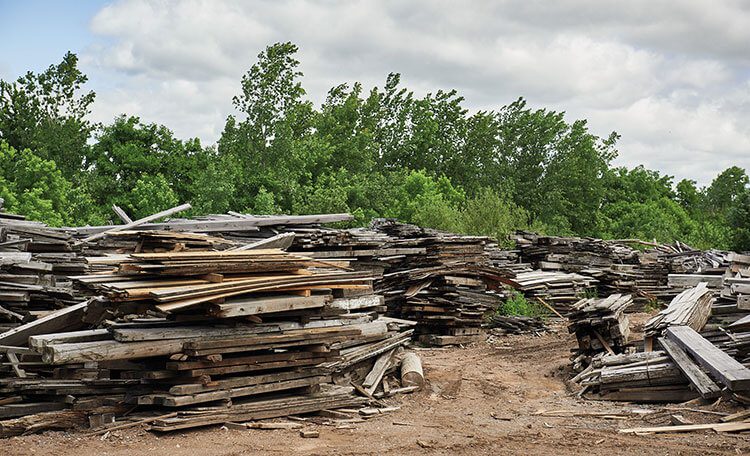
{"x":441,"y":280}
{"x":688,"y":365}
{"x":599,"y":325}
{"x":637,"y":377}
{"x":690,"y":308}
{"x":736,"y":285}
{"x":34,"y":263}
{"x":560,"y":289}
{"x":448,"y":304}
{"x":244,"y":334}
{"x":233,"y":226}
{"x":501,"y":325}
{"x":622,"y":269}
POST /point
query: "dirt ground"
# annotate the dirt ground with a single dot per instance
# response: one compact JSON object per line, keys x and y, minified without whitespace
{"x":480,"y":399}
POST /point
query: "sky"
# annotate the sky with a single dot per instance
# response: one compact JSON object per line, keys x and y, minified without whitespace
{"x":671,"y":76}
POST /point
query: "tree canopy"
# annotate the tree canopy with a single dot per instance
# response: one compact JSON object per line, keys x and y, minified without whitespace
{"x":386,"y":152}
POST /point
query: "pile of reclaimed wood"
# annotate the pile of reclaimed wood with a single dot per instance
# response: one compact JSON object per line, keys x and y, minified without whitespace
{"x":34,"y":264}
{"x":635,"y":377}
{"x":559,"y":289}
{"x":240,"y":335}
{"x":502,"y":325}
{"x":689,"y":366}
{"x":444,"y":283}
{"x":658,"y":273}
{"x":691,"y":308}
{"x":688,"y":363}
{"x":600,"y":325}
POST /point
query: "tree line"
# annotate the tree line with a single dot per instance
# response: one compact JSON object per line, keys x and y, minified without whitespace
{"x":385,"y":152}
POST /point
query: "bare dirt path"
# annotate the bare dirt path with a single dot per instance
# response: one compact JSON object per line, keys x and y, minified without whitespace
{"x":480,"y":400}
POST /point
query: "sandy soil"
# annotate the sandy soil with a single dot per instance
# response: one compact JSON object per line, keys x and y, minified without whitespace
{"x":480,"y":399}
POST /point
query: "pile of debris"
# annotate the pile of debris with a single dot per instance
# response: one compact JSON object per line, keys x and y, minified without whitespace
{"x":599,"y":325}
{"x":658,"y":273}
{"x":560,"y":289}
{"x":35,"y":262}
{"x":233,"y":335}
{"x":686,"y":365}
{"x":445,"y":284}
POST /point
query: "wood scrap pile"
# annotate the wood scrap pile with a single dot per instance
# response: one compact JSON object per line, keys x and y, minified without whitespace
{"x":238,"y":334}
{"x":688,"y":366}
{"x":736,"y":285}
{"x":445,"y":284}
{"x":635,"y":377}
{"x":501,"y":325}
{"x":559,"y":289}
{"x":620,"y":268}
{"x":600,"y":325}
{"x":690,"y":308}
{"x":34,"y":264}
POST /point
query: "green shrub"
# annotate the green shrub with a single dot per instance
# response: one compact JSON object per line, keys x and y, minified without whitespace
{"x":518,"y":305}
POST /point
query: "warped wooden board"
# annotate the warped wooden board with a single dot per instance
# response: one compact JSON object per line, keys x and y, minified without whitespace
{"x":250,"y":359}
{"x":289,"y":336}
{"x":293,"y":363}
{"x":252,"y":280}
{"x":259,"y":410}
{"x":133,"y":224}
{"x":108,"y":350}
{"x":723,"y":367}
{"x":87,"y":335}
{"x":219,"y":225}
{"x":286,"y":284}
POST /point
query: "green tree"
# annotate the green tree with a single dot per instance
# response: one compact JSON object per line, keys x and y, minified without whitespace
{"x":725,"y":189}
{"x":739,"y":221}
{"x":273,"y":141}
{"x":46,"y":113}
{"x":151,"y":194}
{"x":492,"y":214}
{"x":36,"y":188}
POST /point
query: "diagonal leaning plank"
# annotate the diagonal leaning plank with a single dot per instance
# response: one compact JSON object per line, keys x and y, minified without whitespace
{"x":699,"y":379}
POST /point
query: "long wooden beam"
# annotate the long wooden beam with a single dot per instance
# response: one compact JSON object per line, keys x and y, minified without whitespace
{"x":135,"y":223}
{"x":727,"y":370}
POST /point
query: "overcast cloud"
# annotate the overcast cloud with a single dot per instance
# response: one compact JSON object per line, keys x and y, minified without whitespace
{"x":672,"y":77}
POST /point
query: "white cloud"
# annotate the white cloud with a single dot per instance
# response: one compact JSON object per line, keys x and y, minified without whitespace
{"x":672,"y":77}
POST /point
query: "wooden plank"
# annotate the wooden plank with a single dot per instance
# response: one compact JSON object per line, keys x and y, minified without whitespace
{"x":122,"y":214}
{"x":263,"y":305}
{"x":373,"y":378}
{"x":280,"y":241}
{"x":69,"y":318}
{"x":718,"y":427}
{"x":723,"y":367}
{"x":107,"y":350}
{"x":702,"y":382}
{"x":238,"y":382}
{"x":133,"y":224}
{"x":177,"y":401}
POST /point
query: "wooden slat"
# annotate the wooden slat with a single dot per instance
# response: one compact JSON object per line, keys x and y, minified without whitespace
{"x":723,"y":367}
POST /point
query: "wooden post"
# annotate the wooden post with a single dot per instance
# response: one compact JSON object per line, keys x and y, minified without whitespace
{"x":411,"y":370}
